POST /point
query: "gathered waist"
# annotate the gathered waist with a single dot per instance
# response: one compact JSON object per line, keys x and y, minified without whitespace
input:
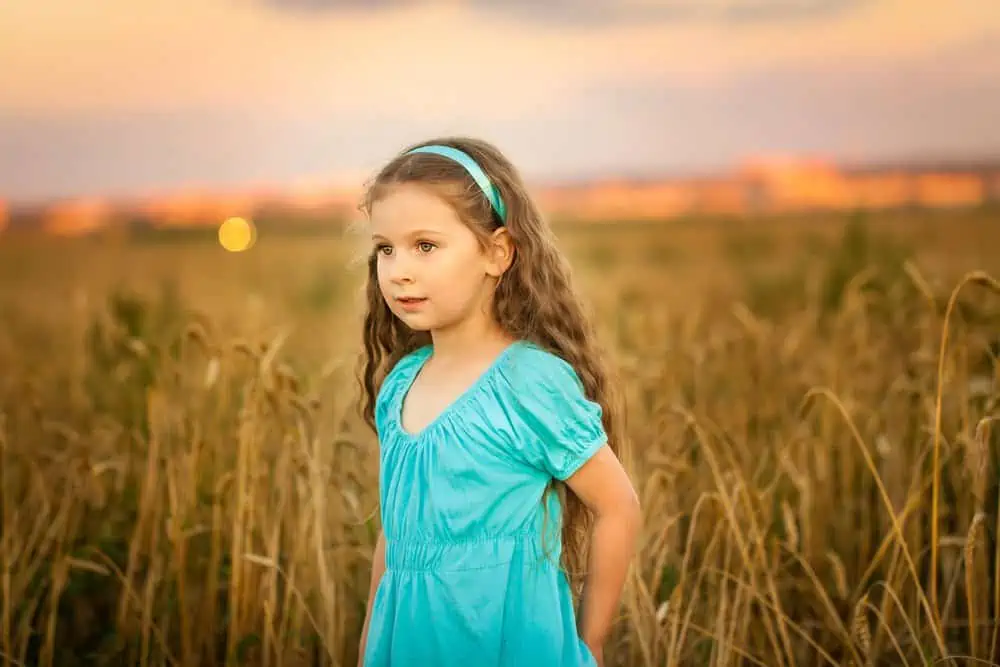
{"x":456,"y":555}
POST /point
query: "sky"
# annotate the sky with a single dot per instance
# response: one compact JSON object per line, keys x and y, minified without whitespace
{"x":118,"y":97}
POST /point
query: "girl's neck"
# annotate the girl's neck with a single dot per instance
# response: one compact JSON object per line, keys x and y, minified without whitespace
{"x":469,"y":338}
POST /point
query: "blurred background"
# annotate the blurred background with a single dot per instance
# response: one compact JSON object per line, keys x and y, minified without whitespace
{"x":785,"y":215}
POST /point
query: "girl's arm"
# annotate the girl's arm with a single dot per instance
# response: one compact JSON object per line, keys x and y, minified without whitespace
{"x":603,"y":485}
{"x":378,"y":569}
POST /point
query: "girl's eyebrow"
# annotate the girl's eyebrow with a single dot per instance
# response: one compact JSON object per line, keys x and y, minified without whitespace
{"x":415,"y":233}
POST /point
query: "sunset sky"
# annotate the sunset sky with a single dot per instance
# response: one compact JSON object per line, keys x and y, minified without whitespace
{"x":119,"y":97}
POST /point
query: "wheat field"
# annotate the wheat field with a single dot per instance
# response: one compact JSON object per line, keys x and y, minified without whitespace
{"x":812,"y":405}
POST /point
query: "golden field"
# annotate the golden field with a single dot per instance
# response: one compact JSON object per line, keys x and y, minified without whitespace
{"x":185,"y":481}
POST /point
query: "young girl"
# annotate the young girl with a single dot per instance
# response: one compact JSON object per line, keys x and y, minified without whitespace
{"x":498,"y":427}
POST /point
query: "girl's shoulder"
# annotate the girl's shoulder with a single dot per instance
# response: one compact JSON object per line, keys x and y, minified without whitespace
{"x":532,"y":369}
{"x":539,"y":381}
{"x":556,"y":426}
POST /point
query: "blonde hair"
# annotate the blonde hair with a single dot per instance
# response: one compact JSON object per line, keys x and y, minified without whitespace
{"x":534,"y":300}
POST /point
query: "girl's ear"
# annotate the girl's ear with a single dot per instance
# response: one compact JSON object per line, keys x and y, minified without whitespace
{"x":499,"y":252}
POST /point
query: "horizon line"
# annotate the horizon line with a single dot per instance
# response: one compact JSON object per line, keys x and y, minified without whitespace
{"x":318,"y":183}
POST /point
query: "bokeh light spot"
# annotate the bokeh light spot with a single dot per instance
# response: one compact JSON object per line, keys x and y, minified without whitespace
{"x":237,"y":234}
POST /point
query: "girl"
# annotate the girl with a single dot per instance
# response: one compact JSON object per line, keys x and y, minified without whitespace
{"x":497,"y":425}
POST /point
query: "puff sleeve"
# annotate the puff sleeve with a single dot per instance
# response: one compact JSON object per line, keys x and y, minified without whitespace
{"x":556,"y":427}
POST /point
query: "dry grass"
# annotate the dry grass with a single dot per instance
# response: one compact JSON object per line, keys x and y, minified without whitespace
{"x":184,"y":481}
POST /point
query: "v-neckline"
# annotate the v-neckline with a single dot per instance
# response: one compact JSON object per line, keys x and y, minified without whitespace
{"x":455,"y":403}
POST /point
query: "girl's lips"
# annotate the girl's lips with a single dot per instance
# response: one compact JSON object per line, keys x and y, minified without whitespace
{"x":411,"y":303}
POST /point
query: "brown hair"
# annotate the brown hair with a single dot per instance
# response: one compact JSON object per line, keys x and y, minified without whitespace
{"x":534,"y":301}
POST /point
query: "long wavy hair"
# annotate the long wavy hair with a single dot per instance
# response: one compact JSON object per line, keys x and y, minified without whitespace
{"x":534,"y":301}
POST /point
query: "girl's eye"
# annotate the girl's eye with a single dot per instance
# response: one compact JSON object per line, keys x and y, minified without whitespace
{"x":425,"y":246}
{"x":384,"y":249}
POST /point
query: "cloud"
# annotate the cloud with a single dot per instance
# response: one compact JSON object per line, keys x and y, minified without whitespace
{"x":612,"y":126}
{"x":608,"y":12}
{"x":475,"y":59}
{"x":612,"y":12}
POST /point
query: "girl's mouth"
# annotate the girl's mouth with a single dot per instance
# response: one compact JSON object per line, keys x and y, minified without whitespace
{"x":411,"y":303}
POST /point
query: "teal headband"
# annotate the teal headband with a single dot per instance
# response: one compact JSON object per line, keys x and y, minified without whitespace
{"x":477,"y":173}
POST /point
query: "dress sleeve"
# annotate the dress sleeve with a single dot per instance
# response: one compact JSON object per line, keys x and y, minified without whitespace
{"x":559,"y":428}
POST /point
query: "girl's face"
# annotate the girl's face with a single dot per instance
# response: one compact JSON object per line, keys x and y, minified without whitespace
{"x":432,"y":270}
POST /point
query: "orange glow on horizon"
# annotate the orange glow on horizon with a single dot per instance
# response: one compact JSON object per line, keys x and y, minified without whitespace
{"x":79,"y":216}
{"x":757,"y":186}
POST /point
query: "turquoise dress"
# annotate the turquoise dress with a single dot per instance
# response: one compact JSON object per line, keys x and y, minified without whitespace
{"x":472,"y":550}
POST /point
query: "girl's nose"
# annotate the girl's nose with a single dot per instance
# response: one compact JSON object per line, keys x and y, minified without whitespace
{"x":400,"y":272}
